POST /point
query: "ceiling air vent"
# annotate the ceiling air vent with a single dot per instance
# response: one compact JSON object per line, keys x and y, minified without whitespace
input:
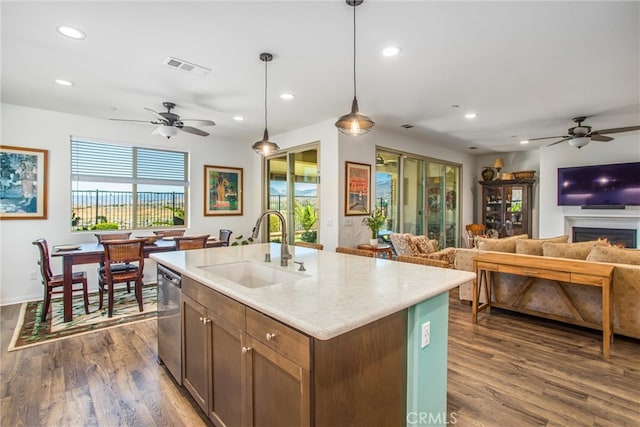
{"x":406,"y":126}
{"x":189,"y":67}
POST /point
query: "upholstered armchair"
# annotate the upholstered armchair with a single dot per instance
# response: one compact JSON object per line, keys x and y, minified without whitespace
{"x":407,"y":244}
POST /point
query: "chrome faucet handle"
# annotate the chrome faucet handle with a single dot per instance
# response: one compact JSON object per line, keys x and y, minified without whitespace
{"x":301,"y":265}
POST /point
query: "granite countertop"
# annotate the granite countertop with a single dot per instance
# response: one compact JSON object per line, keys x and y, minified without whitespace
{"x":336,"y":294}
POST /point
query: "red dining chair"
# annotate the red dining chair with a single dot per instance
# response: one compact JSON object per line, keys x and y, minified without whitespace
{"x":54,"y":282}
{"x":118,"y":252}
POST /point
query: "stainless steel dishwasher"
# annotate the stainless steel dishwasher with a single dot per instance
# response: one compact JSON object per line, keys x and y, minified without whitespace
{"x":170,"y":321}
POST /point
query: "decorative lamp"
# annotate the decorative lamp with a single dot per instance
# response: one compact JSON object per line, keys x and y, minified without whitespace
{"x":264,"y":146}
{"x":354,"y":123}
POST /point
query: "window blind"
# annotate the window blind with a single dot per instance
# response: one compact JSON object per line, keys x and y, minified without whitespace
{"x":100,"y":162}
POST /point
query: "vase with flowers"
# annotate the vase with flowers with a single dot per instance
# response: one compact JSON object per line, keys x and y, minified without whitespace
{"x":374,"y":221}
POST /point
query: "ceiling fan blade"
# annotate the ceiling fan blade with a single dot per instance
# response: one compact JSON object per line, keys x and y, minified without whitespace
{"x":548,"y":137}
{"x":157,"y":115}
{"x":601,"y":138}
{"x":126,"y":120}
{"x":558,"y":142}
{"x":193,"y":130}
{"x":615,"y":130}
{"x":199,"y":122}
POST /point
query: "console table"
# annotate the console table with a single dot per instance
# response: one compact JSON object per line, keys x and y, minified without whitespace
{"x":575,"y":272}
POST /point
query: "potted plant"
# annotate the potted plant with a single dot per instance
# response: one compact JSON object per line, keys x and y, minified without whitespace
{"x":374,"y":221}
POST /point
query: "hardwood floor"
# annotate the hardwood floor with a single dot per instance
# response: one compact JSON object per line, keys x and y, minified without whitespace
{"x":508,"y":370}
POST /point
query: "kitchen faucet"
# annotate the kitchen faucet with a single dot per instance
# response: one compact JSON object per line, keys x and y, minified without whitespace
{"x":284,"y":247}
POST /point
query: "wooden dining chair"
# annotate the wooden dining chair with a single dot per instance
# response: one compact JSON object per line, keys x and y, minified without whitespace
{"x":318,"y":246}
{"x":169,"y":233}
{"x":224,"y":236}
{"x":423,"y":261}
{"x":191,"y":242}
{"x":474,"y":230}
{"x":53,"y":283}
{"x":116,"y":253}
{"x":103,"y":237}
{"x":352,"y":251}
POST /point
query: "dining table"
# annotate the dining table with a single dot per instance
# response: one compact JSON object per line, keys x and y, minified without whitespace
{"x":91,"y":253}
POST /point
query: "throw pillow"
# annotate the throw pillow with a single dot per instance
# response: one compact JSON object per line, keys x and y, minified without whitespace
{"x":534,"y":246}
{"x":578,"y":250}
{"x":421,"y":245}
{"x":507,"y":244}
{"x":614,"y":255}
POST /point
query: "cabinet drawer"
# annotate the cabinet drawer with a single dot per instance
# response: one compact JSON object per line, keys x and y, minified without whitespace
{"x":587,"y":279}
{"x":216,"y":303}
{"x":542,"y":273}
{"x":286,"y":341}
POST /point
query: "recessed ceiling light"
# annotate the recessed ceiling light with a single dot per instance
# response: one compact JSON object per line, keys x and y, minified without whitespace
{"x":72,"y":33}
{"x":390,"y":51}
{"x":64,"y":82}
{"x":524,"y":141}
{"x":287,"y":96}
{"x":471,"y":115}
{"x":238,"y":118}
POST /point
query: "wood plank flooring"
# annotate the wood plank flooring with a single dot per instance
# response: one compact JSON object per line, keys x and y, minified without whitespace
{"x":508,"y":370}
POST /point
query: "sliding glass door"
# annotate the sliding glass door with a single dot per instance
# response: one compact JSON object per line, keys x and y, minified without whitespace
{"x":443,"y":181}
{"x":292,"y":189}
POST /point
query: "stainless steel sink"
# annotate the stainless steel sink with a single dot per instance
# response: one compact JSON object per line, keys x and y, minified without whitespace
{"x":252,"y":274}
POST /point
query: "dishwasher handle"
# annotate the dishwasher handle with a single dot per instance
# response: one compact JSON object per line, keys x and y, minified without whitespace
{"x":169,"y":275}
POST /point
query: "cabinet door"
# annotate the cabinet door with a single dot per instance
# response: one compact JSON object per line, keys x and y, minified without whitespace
{"x":493,"y":215}
{"x":195,"y":348}
{"x":276,"y":389}
{"x":226,"y":373}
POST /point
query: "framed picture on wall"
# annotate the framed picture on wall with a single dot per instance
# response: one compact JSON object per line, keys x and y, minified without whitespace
{"x":357,"y":188}
{"x":222,"y":190}
{"x":24,"y":183}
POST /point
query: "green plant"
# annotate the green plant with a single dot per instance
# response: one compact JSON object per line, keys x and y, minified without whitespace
{"x":374,"y":221}
{"x":307,"y":217}
{"x":105,"y":226}
{"x":240,"y":240}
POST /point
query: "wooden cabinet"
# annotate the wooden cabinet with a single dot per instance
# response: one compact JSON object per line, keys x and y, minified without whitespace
{"x":506,"y":206}
{"x":244,"y":368}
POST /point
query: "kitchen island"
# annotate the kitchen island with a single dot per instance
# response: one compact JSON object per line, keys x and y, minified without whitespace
{"x":340,"y":343}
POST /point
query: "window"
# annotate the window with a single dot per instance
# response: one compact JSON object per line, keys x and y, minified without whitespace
{"x":124,"y":187}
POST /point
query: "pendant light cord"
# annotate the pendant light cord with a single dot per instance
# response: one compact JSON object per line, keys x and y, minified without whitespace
{"x":354,"y":51}
{"x":265,"y":95}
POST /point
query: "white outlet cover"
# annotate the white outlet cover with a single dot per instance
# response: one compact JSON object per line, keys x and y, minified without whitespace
{"x":426,"y":334}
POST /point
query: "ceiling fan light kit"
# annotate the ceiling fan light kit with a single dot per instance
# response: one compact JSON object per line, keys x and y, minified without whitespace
{"x":264,"y":146}
{"x":579,"y":142}
{"x":354,"y":123}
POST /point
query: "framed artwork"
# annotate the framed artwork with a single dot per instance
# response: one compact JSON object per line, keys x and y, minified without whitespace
{"x":222,"y":190}
{"x":24,"y":183}
{"x":357,"y":188}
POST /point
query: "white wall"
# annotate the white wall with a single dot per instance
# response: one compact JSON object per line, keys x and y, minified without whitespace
{"x":624,"y":148}
{"x":27,"y":127}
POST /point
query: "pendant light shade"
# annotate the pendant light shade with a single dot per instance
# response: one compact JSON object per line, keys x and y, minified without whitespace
{"x":264,"y":146}
{"x":354,"y":123}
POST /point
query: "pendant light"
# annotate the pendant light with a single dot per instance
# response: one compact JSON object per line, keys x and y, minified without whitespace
{"x":264,"y":146}
{"x":354,"y":123}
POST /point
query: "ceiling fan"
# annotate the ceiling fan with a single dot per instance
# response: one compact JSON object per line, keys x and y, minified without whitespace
{"x":580,"y":135}
{"x":169,"y":123}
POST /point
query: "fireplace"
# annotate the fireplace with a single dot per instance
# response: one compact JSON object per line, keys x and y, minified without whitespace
{"x":617,"y":236}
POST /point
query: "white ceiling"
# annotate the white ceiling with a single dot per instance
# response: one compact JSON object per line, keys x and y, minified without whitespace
{"x":527,"y":68}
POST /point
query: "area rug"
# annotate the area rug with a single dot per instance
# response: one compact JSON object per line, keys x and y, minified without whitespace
{"x":31,"y":331}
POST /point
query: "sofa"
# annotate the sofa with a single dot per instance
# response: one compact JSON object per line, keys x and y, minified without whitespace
{"x":407,"y":244}
{"x":543,"y":297}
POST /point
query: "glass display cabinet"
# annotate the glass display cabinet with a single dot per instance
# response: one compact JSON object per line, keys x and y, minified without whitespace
{"x":506,"y":207}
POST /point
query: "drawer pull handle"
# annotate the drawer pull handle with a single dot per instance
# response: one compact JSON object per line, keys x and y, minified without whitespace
{"x":270,"y":337}
{"x":530,"y":271}
{"x":206,"y":321}
{"x":245,"y":350}
{"x":201,"y":319}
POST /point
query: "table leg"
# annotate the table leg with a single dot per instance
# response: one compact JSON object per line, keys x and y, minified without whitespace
{"x":607,"y":330}
{"x":474,"y":299}
{"x":67,"y":272}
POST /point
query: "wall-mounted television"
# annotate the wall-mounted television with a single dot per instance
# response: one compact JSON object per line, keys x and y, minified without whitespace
{"x":615,"y":185}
